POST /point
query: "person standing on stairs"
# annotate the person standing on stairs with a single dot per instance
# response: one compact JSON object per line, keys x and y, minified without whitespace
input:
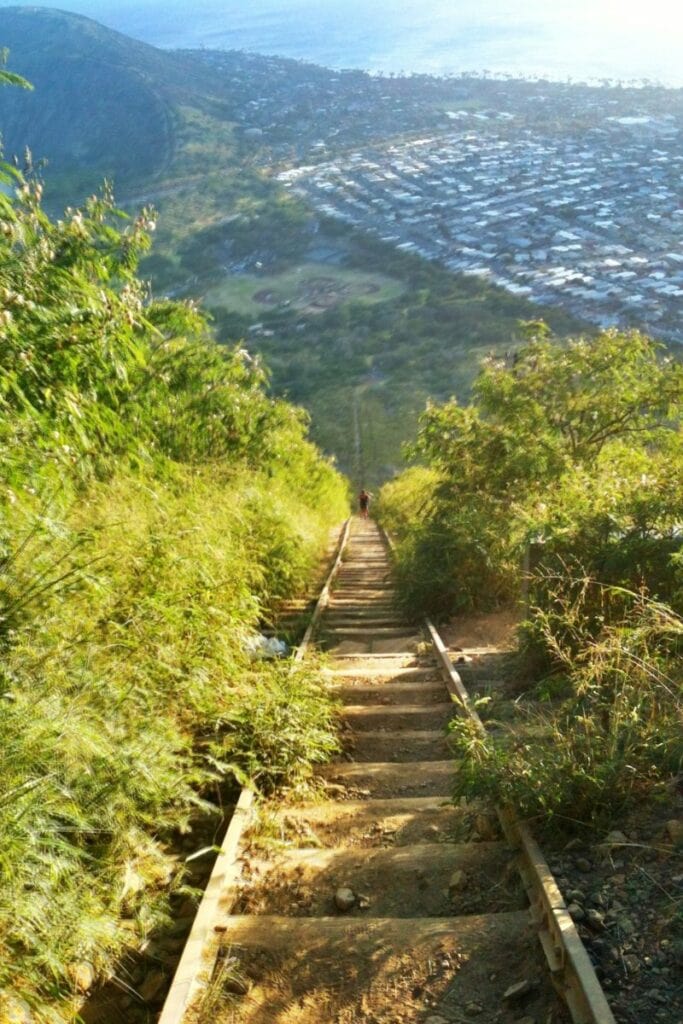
{"x":364,"y":503}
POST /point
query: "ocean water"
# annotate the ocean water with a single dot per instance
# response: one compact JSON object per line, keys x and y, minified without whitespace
{"x":582,"y":39}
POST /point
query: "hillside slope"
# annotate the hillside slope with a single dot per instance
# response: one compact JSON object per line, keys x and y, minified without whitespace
{"x":104,"y":104}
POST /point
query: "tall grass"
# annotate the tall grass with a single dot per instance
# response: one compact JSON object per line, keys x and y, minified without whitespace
{"x":156,"y":503}
{"x":619,"y":729}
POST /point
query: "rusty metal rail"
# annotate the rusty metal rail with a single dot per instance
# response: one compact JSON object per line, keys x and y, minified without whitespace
{"x":198,"y":958}
{"x":570,"y":966}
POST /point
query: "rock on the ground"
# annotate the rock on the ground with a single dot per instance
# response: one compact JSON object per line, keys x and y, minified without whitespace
{"x":518,"y":991}
{"x":615,"y":838}
{"x":674,"y":830}
{"x":595,"y":919}
{"x":576,"y":911}
{"x":344,"y":899}
{"x":82,"y":976}
{"x":584,"y":865}
{"x":457,"y":881}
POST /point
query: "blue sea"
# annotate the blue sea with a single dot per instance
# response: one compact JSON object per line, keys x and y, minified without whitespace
{"x":582,"y":39}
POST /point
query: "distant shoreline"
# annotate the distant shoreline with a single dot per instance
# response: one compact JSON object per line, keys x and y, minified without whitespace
{"x":404,"y":37}
{"x":492,"y":76}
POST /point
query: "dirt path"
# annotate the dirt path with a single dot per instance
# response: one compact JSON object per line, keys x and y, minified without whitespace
{"x":383,"y":903}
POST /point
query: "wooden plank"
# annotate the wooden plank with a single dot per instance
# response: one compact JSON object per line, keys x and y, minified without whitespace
{"x":187,"y":980}
{"x":324,"y":599}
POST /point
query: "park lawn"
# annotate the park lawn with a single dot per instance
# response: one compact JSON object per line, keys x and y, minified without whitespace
{"x":310,"y":288}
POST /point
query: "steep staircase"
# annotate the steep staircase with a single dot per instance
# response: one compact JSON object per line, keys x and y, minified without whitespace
{"x":385,"y":903}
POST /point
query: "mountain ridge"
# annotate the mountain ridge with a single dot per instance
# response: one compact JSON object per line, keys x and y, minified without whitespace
{"x":124,"y":90}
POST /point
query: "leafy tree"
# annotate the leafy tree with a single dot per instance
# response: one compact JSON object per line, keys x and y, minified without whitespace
{"x":555,"y":444}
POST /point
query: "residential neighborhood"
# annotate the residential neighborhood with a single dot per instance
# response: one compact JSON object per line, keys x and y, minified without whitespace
{"x":590,"y":219}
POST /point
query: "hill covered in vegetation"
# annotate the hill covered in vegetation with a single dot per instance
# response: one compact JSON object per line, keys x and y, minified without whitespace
{"x":103,"y":104}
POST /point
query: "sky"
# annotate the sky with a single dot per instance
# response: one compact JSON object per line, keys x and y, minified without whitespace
{"x":581,"y":38}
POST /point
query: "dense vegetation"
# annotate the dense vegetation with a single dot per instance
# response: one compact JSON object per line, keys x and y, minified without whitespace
{"x":155,"y":503}
{"x":563,"y":476}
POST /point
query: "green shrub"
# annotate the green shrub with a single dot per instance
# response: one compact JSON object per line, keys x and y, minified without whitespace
{"x":283,"y":725}
{"x":618,"y":732}
{"x":577,"y":446}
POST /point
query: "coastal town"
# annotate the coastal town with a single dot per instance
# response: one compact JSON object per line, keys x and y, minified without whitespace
{"x":588,"y":219}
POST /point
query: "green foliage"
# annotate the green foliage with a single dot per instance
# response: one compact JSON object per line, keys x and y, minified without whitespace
{"x":388,"y":357}
{"x":156,"y":503}
{"x":282,"y":726}
{"x":10,"y":77}
{"x":572,"y":446}
{"x":568,"y":458}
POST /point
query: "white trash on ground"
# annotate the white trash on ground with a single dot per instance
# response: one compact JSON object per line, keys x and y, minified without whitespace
{"x":260,"y":647}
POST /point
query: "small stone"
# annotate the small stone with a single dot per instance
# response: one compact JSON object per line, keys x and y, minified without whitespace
{"x":517,"y":991}
{"x":577,"y":912}
{"x":583,"y":864}
{"x":152,"y":986}
{"x":674,"y":830}
{"x":595,"y":919}
{"x":344,"y":899}
{"x":82,"y":976}
{"x":457,"y":881}
{"x":632,"y":963}
{"x":615,"y":838}
{"x":363,"y":902}
{"x":473,"y":1009}
{"x":576,"y":896}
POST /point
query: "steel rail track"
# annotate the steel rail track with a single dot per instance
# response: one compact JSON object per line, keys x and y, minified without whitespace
{"x":571,"y":970}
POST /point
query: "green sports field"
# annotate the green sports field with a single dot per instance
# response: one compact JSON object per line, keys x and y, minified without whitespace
{"x":310,"y":288}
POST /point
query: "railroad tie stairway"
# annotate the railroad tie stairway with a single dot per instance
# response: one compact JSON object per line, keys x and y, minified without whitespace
{"x":386,"y":903}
